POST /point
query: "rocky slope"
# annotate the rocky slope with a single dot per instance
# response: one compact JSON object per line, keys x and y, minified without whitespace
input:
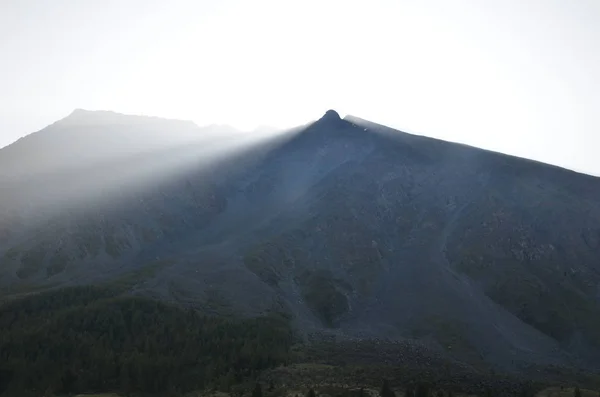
{"x":355,"y":229}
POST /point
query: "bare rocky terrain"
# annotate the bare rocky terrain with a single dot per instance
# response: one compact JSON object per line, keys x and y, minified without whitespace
{"x":358,"y":231}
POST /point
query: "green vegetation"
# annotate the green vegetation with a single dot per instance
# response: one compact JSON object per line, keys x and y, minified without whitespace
{"x":544,"y":278}
{"x":19,"y":290}
{"x":567,"y":392}
{"x":257,"y":392}
{"x":320,"y":390}
{"x":137,"y":276}
{"x":216,"y":303}
{"x":422,"y":390}
{"x":98,"y":395}
{"x":270,"y":258}
{"x":95,"y":340}
{"x":557,"y":312}
{"x":339,"y":367}
{"x":386,"y":390}
{"x":450,"y":334}
{"x":90,"y":339}
{"x":323,"y":296}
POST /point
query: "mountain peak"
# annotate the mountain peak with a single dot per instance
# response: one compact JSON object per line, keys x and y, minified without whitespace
{"x":80,"y":112}
{"x":330,"y":119}
{"x":107,"y":117}
{"x":331,"y":115}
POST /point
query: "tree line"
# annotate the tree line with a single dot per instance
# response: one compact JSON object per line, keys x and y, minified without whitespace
{"x":95,"y":339}
{"x":417,"y":390}
{"x":87,"y":339}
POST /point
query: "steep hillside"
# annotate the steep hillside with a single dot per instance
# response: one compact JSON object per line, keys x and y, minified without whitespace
{"x":353,"y":228}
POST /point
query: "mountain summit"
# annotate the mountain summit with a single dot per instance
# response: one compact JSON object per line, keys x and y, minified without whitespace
{"x":331,"y":118}
{"x":86,"y":136}
{"x":107,"y":117}
{"x":331,"y":115}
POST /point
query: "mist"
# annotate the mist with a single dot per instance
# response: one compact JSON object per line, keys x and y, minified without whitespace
{"x":105,"y":161}
{"x":518,"y":78}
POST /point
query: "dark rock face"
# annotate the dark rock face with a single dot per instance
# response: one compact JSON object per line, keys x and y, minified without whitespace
{"x":331,"y":115}
{"x":353,"y":228}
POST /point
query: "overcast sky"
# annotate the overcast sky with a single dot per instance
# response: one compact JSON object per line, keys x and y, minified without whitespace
{"x":516,"y":76}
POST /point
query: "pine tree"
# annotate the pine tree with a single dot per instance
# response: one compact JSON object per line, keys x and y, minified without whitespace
{"x":257,"y":392}
{"x":311,"y":393}
{"x":422,"y":390}
{"x":527,"y":390}
{"x":49,"y":392}
{"x":386,"y":390}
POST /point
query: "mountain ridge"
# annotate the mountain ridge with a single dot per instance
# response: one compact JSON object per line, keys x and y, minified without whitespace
{"x":86,"y":136}
{"x":80,"y":112}
{"x":352,"y":228}
{"x":366,"y":123}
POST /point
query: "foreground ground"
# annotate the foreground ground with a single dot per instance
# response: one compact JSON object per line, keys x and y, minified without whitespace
{"x":370,"y":392}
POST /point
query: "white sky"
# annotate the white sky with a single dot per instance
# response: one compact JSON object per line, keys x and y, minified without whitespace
{"x":517,"y":76}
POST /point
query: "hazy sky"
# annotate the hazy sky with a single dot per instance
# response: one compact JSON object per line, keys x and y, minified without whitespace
{"x":517,"y":76}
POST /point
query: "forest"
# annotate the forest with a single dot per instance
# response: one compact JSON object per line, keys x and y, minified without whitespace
{"x":93,"y":339}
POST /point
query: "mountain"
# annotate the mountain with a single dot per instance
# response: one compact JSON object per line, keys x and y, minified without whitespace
{"x":87,"y":137}
{"x":354,"y":229}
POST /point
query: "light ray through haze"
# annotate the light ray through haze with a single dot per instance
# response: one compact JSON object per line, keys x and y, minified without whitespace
{"x":517,"y":77}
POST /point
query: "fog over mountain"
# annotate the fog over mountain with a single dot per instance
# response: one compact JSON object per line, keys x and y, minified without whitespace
{"x":352,"y":228}
{"x":515,"y":77}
